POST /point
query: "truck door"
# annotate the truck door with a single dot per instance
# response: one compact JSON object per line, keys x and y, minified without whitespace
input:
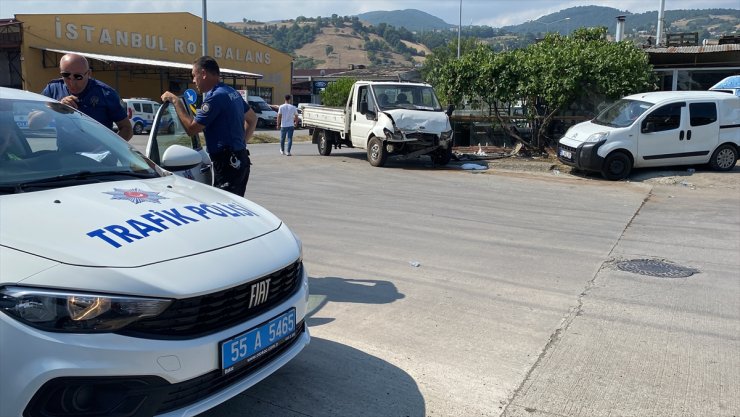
{"x":363,"y":116}
{"x":702,"y":134}
{"x":662,"y":136}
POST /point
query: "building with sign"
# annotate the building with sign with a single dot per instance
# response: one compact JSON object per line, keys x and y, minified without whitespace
{"x":139,"y":54}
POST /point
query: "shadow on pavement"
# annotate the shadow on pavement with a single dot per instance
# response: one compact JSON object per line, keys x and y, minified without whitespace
{"x":359,"y":385}
{"x":346,"y":290}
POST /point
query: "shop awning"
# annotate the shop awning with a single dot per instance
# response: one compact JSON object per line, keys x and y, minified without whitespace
{"x":225,"y":72}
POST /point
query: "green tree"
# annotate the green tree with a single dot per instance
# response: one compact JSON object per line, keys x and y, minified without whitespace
{"x":544,"y":77}
{"x":442,"y":69}
{"x":337,"y":92}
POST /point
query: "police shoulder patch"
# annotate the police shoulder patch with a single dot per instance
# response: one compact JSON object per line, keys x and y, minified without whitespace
{"x":205,"y":108}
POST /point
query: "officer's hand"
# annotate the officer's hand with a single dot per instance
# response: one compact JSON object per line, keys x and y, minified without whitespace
{"x":71,"y":101}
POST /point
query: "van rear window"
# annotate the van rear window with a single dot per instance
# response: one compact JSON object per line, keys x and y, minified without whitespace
{"x":703,"y":113}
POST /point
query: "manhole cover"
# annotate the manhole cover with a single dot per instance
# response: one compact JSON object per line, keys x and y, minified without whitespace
{"x":656,"y":268}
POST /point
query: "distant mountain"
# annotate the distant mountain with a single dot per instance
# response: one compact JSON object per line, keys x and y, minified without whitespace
{"x":338,"y":41}
{"x":708,"y":22}
{"x":411,"y":19}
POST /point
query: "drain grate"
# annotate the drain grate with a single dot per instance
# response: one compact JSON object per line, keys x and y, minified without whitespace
{"x":656,"y":268}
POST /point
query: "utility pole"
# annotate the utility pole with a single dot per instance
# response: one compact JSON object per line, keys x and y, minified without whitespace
{"x":459,"y":28}
{"x":204,"y":39}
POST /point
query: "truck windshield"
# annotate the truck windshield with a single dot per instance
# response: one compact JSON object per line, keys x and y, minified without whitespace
{"x":622,"y":113}
{"x":416,"y":97}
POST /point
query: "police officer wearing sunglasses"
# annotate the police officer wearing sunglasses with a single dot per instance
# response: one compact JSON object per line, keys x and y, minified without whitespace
{"x":79,"y":90}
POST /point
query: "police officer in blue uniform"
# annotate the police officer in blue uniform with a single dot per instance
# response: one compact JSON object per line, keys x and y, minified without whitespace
{"x":228,"y":123}
{"x":79,"y":90}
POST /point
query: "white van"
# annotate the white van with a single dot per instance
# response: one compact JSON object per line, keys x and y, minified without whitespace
{"x":141,"y":111}
{"x":657,"y":129}
{"x":266,"y":116}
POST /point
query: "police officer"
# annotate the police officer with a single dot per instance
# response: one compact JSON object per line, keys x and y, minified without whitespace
{"x":95,"y":98}
{"x":227,"y":120}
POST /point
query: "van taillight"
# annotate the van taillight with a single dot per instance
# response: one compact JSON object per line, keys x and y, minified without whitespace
{"x":130,"y":113}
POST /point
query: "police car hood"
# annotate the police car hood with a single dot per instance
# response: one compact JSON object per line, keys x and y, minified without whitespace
{"x":129,"y":223}
{"x":418,"y":120}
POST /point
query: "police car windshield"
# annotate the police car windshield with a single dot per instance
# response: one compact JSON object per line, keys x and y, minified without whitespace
{"x":42,"y":140}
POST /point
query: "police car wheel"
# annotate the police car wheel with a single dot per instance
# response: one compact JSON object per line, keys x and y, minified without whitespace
{"x":138,"y":128}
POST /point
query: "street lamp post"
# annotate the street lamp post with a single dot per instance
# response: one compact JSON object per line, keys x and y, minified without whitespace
{"x":459,"y":27}
{"x":204,"y":39}
{"x":547,"y":24}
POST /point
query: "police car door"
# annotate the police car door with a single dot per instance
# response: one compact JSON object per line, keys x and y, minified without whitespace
{"x":363,"y":116}
{"x":173,"y":149}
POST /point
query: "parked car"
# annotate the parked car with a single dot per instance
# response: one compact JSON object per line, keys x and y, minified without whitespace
{"x":656,"y":129}
{"x":141,"y":111}
{"x":126,"y":290}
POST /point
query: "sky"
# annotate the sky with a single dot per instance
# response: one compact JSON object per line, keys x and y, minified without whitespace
{"x":494,"y":13}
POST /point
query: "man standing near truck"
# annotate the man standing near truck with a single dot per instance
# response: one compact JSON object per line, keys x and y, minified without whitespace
{"x":286,"y":121}
{"x":228,"y":122}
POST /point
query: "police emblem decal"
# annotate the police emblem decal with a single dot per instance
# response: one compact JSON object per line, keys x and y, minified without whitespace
{"x":135,"y":195}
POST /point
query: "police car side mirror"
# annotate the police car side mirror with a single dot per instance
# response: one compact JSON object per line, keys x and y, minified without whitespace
{"x":180,"y":158}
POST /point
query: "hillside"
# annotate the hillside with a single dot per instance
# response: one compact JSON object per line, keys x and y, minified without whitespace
{"x":411,"y":19}
{"x":405,"y":37}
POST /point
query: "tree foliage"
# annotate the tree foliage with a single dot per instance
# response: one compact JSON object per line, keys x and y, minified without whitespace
{"x":544,"y":77}
{"x":336,"y":93}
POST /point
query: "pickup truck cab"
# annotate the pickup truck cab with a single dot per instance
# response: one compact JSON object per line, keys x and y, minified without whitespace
{"x":385,"y":118}
{"x":657,"y":129}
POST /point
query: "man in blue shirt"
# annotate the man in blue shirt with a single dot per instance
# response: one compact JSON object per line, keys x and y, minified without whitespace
{"x":228,"y":123}
{"x":79,"y":90}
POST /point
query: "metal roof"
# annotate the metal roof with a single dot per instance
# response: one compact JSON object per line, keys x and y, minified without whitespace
{"x":694,"y":49}
{"x":153,"y":62}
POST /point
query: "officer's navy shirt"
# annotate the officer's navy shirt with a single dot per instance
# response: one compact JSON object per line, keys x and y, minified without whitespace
{"x":222,"y":114}
{"x":98,"y":100}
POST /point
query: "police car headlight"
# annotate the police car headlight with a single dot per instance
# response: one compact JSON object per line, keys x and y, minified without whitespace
{"x":445,"y":135}
{"x":76,"y":312}
{"x":597,"y":137}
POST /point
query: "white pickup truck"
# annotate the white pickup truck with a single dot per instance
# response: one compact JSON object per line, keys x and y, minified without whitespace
{"x":386,"y":118}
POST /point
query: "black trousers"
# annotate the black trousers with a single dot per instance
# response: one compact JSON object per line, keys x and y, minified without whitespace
{"x":231,"y":171}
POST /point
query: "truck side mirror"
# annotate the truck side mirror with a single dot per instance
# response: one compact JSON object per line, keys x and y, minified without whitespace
{"x":450,"y":109}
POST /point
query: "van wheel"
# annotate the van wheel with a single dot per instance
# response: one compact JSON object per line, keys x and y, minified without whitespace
{"x":724,"y":158}
{"x":138,"y":128}
{"x":617,"y":166}
{"x":260,"y":123}
{"x":376,"y":153}
{"x":324,"y":144}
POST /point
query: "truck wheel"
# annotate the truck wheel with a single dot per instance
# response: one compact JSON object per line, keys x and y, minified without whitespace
{"x":138,"y":128}
{"x":376,"y":153}
{"x":617,"y":166}
{"x":442,"y":156}
{"x":324,"y":144}
{"x":724,"y":158}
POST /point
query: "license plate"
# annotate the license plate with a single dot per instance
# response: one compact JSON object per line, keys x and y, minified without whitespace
{"x":245,"y":348}
{"x":565,"y":154}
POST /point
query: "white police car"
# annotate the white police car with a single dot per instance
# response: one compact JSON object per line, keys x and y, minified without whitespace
{"x":128,"y":291}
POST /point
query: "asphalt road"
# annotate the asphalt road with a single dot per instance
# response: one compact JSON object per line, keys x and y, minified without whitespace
{"x":442,"y":292}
